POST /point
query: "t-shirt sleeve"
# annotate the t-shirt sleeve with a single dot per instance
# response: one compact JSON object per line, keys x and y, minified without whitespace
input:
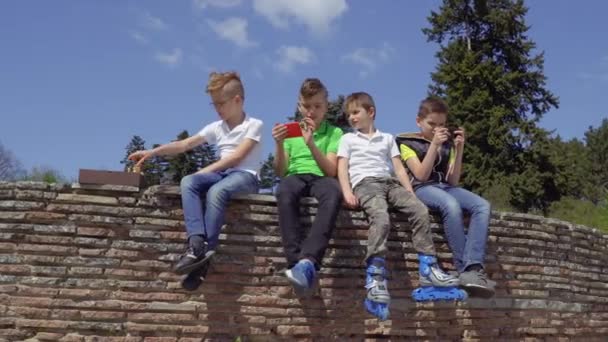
{"x":406,"y":152}
{"x":344,"y":147}
{"x":394,"y":151}
{"x":452,"y":157}
{"x":254,"y":132}
{"x":334,"y":140}
{"x":208,"y":132}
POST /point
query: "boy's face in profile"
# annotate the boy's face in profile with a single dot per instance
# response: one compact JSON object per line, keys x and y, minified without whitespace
{"x":358,"y":117}
{"x":314,"y":107}
{"x":430,"y":123}
{"x":227,"y":106}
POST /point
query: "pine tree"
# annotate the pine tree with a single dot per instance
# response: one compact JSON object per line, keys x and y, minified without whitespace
{"x":494,"y":85}
{"x":597,"y":148}
{"x":151,"y":168}
{"x":268,"y":178}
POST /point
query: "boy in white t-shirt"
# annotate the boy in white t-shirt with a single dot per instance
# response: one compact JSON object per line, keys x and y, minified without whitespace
{"x":366,"y":159}
{"x":238,"y":140}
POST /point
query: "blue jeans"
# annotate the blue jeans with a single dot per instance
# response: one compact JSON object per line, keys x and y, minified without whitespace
{"x":467,"y":249}
{"x":207,"y":217}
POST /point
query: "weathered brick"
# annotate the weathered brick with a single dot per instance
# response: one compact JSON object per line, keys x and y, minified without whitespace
{"x":92,"y":231}
{"x":78,"y":198}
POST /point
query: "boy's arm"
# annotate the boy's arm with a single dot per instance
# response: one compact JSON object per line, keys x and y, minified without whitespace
{"x":175,"y":147}
{"x":347,"y":190}
{"x":455,"y":170}
{"x":281,"y":157}
{"x":422,"y":169}
{"x":327,"y":163}
{"x":402,"y":174}
{"x":233,"y":159}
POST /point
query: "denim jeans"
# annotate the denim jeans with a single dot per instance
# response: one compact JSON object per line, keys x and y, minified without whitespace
{"x":327,"y":192}
{"x":467,"y":249}
{"x":375,"y":196}
{"x":205,"y":215}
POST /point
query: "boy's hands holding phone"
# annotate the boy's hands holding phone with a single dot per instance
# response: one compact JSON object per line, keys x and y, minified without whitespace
{"x":279,"y":133}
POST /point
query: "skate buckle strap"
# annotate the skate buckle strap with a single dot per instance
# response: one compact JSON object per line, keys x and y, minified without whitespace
{"x":376,"y":283}
{"x":376,"y":271}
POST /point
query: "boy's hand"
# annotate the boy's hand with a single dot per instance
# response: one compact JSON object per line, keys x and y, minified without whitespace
{"x":308,"y":132}
{"x":459,"y":137}
{"x":440,"y":136}
{"x":140,"y":157}
{"x":279,"y":133}
{"x":351,"y":200}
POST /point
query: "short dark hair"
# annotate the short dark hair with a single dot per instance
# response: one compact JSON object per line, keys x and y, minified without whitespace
{"x":432,"y":105}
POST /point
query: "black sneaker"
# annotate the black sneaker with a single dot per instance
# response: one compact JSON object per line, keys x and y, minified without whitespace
{"x":194,"y":257}
{"x":195,"y":278}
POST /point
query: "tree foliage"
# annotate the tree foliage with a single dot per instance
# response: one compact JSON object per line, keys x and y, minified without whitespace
{"x":493,"y":81}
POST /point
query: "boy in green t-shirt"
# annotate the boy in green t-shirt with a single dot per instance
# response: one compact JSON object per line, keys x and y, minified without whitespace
{"x":308,"y":165}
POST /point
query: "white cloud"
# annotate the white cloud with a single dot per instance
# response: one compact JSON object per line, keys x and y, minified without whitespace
{"x":317,"y":15}
{"x":151,"y":22}
{"x":290,"y":56}
{"x":234,"y":30}
{"x":138,"y":37}
{"x":171,"y":59}
{"x":202,"y":4}
{"x":370,"y":58}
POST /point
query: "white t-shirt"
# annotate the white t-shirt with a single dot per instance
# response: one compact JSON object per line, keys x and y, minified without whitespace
{"x":368,"y":156}
{"x":217,"y":133}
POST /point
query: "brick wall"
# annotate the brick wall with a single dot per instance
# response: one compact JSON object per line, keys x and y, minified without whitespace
{"x":92,"y":263}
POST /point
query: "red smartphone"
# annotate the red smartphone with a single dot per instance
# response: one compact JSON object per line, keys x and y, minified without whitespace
{"x":293,"y":129}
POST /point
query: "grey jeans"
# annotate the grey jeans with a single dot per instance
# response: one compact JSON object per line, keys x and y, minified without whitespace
{"x":375,"y":194}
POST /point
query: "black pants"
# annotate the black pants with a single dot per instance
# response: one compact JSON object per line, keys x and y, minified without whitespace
{"x":327,"y":191}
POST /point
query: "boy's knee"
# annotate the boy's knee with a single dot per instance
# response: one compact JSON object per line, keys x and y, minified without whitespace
{"x":186,"y":182}
{"x":451,"y":207}
{"x":484,"y":206}
{"x":217,"y":193}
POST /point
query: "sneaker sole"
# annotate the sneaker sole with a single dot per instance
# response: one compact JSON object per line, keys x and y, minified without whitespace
{"x":194,"y":266}
{"x":478,"y":291}
{"x":195,"y":279}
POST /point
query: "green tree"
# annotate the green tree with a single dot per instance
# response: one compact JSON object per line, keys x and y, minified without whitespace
{"x":45,"y":174}
{"x":268,"y":178}
{"x":597,"y":149}
{"x":494,"y":84}
{"x":150,"y":168}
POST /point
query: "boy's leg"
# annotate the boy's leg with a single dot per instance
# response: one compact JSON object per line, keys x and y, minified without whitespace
{"x":477,"y":235}
{"x":438,"y":199}
{"x":406,"y":202}
{"x":327,"y":192}
{"x":289,"y":192}
{"x":234,"y":182}
{"x":473,"y":278}
{"x":192,"y":188}
{"x":371,"y":195}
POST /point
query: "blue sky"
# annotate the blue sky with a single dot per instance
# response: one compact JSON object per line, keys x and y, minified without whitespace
{"x":79,"y":78}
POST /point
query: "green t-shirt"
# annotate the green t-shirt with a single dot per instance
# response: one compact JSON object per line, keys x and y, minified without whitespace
{"x":327,"y":139}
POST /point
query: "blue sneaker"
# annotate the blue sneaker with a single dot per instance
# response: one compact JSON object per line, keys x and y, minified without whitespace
{"x":302,"y":277}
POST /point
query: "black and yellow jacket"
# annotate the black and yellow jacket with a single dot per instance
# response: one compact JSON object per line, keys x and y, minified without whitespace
{"x":413,"y":144}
